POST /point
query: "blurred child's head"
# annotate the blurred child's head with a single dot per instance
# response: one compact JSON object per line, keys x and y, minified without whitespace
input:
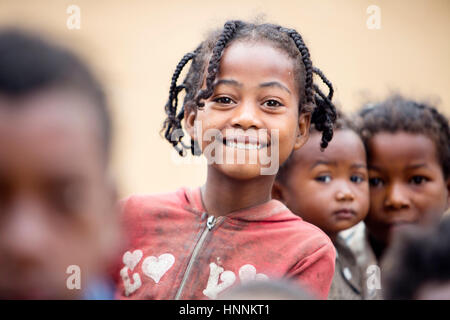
{"x":408,"y":145}
{"x":327,"y":188}
{"x":281,"y":289}
{"x":417,"y":265}
{"x":243,"y":80}
{"x":56,"y":198}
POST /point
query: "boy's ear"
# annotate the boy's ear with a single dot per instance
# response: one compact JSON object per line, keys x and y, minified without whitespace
{"x":304,"y":122}
{"x":278,"y":192}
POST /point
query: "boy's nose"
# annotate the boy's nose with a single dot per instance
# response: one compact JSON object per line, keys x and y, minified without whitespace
{"x":246,"y":116}
{"x":26,"y":232}
{"x":396,"y":197}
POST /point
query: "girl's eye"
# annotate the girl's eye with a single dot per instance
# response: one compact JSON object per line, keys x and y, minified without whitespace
{"x":418,"y":180}
{"x":223,"y":100}
{"x":375,"y":182}
{"x":272,"y":103}
{"x":356,"y":179}
{"x":324,"y":179}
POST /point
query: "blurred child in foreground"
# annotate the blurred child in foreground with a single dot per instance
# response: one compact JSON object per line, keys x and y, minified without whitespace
{"x":56,"y":195}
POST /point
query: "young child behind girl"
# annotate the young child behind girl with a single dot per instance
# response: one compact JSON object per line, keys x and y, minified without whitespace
{"x":251,"y":89}
{"x":408,"y":145}
{"x":330,"y":190}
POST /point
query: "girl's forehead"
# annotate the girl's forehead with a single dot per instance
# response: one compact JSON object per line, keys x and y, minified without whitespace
{"x":256,"y":58}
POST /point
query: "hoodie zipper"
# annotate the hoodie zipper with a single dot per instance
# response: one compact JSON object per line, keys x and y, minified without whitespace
{"x":210,"y":223}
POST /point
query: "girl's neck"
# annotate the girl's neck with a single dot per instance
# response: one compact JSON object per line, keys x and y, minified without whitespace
{"x":222,"y":195}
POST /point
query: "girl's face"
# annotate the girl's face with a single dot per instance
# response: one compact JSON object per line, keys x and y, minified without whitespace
{"x":407,"y":184}
{"x":255,"y":95}
{"x":329,"y":189}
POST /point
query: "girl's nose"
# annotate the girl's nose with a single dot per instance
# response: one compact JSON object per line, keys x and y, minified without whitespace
{"x":246,"y":116}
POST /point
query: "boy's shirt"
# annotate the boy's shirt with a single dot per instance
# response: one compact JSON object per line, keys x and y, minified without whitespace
{"x":357,"y":240}
{"x":348,"y":277}
{"x":176,"y":251}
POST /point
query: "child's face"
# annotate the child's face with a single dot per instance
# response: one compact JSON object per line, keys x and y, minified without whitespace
{"x":255,"y":93}
{"x":329,"y":189}
{"x":56,"y":208}
{"x":407,"y":184}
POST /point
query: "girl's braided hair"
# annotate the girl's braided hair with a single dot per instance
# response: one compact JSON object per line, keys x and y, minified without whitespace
{"x":312,"y":99}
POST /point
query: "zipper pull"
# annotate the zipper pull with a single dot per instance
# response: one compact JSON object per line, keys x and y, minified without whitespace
{"x":211,"y":222}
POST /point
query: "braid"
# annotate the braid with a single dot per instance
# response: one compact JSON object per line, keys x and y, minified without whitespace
{"x":324,"y":115}
{"x":229,"y":30}
{"x":298,"y":40}
{"x":173,"y":121}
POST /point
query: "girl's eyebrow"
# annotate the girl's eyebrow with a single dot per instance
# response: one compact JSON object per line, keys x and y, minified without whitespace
{"x":229,"y":82}
{"x":274,"y":84}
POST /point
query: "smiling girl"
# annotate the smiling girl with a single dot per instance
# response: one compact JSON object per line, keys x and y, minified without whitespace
{"x":250,"y":88}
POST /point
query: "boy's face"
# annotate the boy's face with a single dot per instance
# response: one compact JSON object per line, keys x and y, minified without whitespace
{"x":255,"y":93}
{"x":407,"y":184}
{"x":328,"y":189}
{"x":56,"y":208}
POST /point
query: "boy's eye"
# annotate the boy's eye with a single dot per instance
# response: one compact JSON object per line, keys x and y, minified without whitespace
{"x":272,"y":103}
{"x":356,"y":179}
{"x":223,"y":100}
{"x":65,"y":197}
{"x":324,"y":178}
{"x":375,"y":182}
{"x":418,"y":180}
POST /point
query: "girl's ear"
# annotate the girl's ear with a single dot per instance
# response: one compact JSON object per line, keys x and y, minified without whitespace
{"x":278,"y":192}
{"x":304,"y":122}
{"x":189,"y":116}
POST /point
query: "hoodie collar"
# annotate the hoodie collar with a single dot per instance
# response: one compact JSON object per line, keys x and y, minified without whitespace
{"x":255,"y":213}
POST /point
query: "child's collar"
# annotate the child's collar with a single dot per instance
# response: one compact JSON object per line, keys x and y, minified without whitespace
{"x":255,"y":213}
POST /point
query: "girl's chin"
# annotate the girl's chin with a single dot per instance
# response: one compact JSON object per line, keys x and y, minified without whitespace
{"x":240,"y":171}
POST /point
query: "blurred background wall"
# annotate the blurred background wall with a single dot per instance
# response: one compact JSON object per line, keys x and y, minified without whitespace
{"x":134,"y":46}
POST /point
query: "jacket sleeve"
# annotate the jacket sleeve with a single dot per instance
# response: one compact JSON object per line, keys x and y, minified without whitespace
{"x":315,"y":272}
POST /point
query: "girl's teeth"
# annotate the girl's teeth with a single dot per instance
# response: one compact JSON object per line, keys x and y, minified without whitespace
{"x":241,"y":145}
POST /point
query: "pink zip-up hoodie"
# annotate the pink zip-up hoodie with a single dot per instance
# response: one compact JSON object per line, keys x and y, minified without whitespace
{"x":177,"y":251}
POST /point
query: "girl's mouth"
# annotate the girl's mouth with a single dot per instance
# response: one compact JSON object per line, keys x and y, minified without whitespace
{"x":245,"y":146}
{"x":244,"y":143}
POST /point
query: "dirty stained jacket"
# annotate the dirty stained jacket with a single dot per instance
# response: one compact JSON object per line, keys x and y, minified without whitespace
{"x":175,"y":250}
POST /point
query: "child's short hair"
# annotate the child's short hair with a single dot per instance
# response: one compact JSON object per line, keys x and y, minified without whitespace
{"x":399,"y":114}
{"x":29,"y":63}
{"x":207,"y":58}
{"x":417,"y":258}
{"x":343,"y":122}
